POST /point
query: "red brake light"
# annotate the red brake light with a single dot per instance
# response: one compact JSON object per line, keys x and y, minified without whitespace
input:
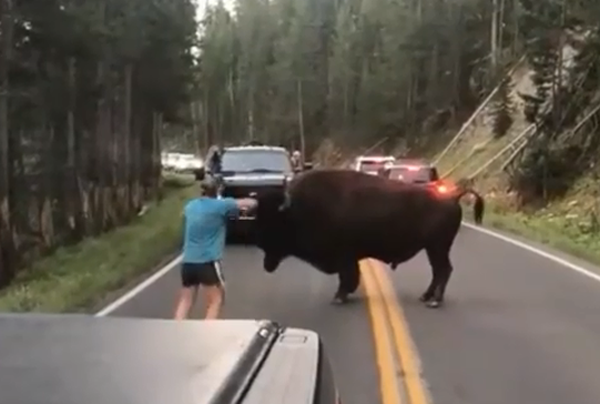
{"x":413,"y":168}
{"x":443,"y":187}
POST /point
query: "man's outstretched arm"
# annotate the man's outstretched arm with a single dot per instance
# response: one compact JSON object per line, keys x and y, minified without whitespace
{"x":246,"y":203}
{"x":233,"y":206}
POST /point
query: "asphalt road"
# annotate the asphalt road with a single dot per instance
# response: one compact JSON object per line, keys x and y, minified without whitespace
{"x":517,"y":327}
{"x":296,"y":295}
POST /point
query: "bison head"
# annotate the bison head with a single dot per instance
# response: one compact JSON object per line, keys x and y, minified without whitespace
{"x":274,"y":230}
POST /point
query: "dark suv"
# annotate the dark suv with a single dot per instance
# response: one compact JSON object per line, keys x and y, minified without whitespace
{"x":247,"y":170}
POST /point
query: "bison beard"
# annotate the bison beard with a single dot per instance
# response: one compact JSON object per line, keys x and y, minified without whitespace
{"x":332,"y":219}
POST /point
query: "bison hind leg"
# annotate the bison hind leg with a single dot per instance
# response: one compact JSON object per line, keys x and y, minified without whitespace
{"x":441,"y":269}
{"x":349,"y":279}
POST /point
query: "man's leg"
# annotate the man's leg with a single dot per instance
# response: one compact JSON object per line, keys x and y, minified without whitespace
{"x":214,"y":300}
{"x":188,"y":292}
{"x":213,"y":284}
{"x":187,"y":297}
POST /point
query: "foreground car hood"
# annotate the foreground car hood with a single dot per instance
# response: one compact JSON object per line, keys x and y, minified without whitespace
{"x":78,"y":359}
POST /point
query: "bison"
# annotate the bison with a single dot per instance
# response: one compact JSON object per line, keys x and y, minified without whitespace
{"x":332,"y":219}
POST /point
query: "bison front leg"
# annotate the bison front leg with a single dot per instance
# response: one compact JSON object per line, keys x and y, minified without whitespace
{"x":441,"y":269}
{"x":349,"y":279}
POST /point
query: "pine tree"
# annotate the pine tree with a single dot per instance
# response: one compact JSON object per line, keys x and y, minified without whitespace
{"x":503,"y":109}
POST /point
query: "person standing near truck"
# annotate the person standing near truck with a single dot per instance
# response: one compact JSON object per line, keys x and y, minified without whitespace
{"x":296,"y":160}
{"x":205,"y":226}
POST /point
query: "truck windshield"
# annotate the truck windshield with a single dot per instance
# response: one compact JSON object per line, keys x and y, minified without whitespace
{"x":255,"y":161}
{"x":372,"y":166}
{"x":414,"y":174}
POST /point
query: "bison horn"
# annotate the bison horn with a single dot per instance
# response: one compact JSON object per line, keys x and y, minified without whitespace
{"x":286,"y":201}
{"x":286,"y":198}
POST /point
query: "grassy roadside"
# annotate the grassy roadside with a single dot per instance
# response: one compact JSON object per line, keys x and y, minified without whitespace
{"x":547,"y":227}
{"x":76,"y":278}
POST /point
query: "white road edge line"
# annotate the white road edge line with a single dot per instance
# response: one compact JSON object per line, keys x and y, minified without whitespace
{"x":530,"y":248}
{"x":139,"y":288}
{"x":164,"y":270}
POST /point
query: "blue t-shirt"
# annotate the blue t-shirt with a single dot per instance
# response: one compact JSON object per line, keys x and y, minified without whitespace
{"x":205,"y":227}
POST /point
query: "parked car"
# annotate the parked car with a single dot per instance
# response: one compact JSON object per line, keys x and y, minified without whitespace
{"x":418,"y":172}
{"x":372,"y":164}
{"x":180,"y":162}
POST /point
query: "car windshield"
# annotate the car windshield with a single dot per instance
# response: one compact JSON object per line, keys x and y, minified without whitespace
{"x":414,"y":174}
{"x":255,"y":161}
{"x":372,"y":166}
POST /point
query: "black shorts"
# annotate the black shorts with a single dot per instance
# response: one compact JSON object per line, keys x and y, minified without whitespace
{"x":206,"y":274}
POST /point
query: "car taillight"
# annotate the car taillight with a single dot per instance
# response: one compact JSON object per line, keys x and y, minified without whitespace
{"x":444,"y":188}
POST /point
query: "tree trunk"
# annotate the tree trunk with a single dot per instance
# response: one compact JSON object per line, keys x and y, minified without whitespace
{"x":301,"y":120}
{"x":102,"y":152}
{"x":127,"y":138}
{"x":72,"y":194}
{"x":7,"y":250}
{"x":154,"y":169}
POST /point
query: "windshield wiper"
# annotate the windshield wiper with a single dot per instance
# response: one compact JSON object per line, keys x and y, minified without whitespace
{"x":264,"y":170}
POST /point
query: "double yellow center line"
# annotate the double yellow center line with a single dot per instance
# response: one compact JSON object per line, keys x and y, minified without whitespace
{"x":397,"y":361}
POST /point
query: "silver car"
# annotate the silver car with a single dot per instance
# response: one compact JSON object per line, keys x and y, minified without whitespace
{"x":79,"y":359}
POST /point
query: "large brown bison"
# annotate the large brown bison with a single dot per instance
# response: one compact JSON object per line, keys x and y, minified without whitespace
{"x":332,"y":219}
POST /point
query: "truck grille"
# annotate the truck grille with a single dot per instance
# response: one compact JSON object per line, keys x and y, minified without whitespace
{"x":243,"y":191}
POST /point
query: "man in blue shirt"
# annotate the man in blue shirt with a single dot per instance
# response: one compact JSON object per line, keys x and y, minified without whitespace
{"x":205,"y":221}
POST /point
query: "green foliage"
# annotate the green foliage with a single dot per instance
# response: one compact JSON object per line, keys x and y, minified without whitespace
{"x":90,"y":85}
{"x":79,"y":277}
{"x":352,"y":70}
{"x":566,"y":90}
{"x":293,"y":72}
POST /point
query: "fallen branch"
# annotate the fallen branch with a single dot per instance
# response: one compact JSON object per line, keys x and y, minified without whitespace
{"x":526,"y":132}
{"x":476,"y":149}
{"x":379,"y":143}
{"x":478,"y":111}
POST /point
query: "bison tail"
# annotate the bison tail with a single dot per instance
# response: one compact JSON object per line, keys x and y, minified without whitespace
{"x":478,"y":206}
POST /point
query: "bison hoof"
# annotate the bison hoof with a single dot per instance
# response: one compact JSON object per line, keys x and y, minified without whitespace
{"x":340,"y":298}
{"x":433,"y":304}
{"x":425,"y":298}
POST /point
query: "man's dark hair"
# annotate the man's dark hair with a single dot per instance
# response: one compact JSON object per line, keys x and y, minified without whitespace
{"x":209,"y":186}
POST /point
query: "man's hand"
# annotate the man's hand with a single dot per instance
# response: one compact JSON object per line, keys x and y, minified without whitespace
{"x":246,"y":204}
